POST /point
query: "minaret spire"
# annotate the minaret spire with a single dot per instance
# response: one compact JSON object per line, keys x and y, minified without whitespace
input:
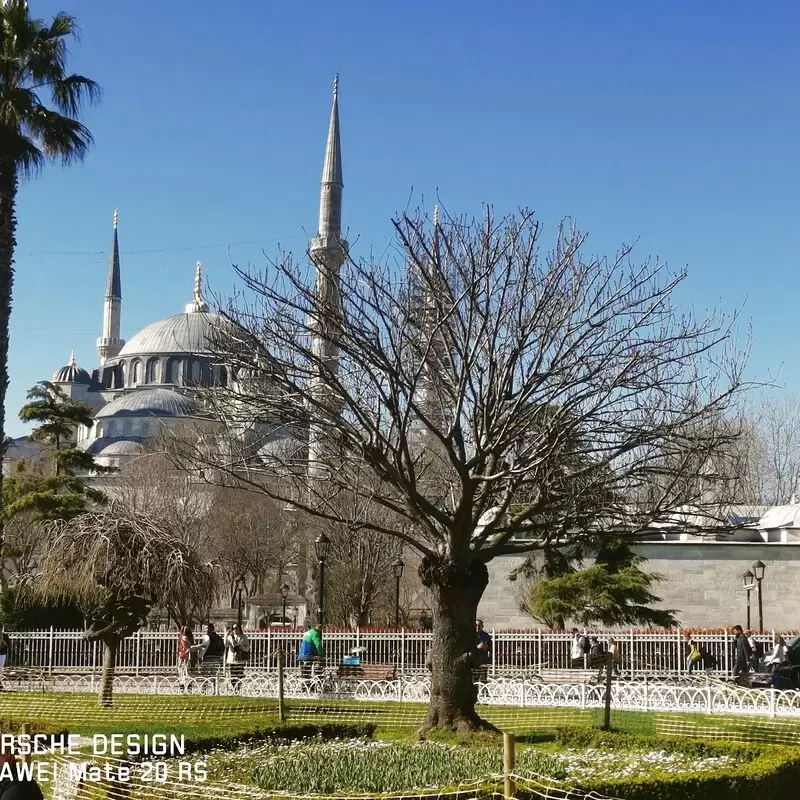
{"x":109,"y":344}
{"x":198,"y":303}
{"x":328,"y":252}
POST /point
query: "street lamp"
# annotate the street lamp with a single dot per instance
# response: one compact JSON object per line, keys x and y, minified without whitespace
{"x":748,"y":578}
{"x":284,"y":595}
{"x":758,"y":570}
{"x":322,"y":546}
{"x":240,"y":586}
{"x":397,"y":568}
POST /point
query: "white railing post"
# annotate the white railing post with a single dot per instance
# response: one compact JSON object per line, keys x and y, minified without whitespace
{"x":94,"y":658}
{"x":402,"y":651}
{"x":709,"y":700}
{"x":138,"y":651}
{"x":538,"y":647}
{"x":646,"y":694}
{"x":494,"y":652}
{"x":50,"y":652}
{"x":269,"y":648}
{"x":583,"y":695}
{"x":726,"y":645}
{"x":632,"y":653}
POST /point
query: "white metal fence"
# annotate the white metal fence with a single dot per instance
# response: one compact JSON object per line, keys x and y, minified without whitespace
{"x":153,"y":652}
{"x":690,"y":696}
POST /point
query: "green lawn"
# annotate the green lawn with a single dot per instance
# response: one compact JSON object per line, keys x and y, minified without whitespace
{"x":199,"y":717}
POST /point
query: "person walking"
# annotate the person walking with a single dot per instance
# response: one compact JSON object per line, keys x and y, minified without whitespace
{"x":742,"y":653}
{"x":187,"y":657}
{"x":694,"y":656}
{"x":237,"y":654}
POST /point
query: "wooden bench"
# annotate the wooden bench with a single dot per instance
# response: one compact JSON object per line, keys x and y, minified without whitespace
{"x":367,"y":672}
{"x":568,"y":675}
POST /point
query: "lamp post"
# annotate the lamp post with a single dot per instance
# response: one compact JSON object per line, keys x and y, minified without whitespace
{"x":240,"y":586}
{"x":758,"y":570}
{"x":748,"y":579}
{"x":322,"y":545}
{"x":284,"y":595}
{"x":397,"y":568}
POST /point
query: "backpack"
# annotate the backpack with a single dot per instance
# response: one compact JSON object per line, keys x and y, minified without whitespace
{"x":586,"y":645}
{"x":758,"y":649}
{"x":216,"y":647}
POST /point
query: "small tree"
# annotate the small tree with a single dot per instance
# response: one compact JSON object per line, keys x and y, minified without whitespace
{"x":420,"y":391}
{"x":116,"y":565}
{"x":613,"y":591}
{"x":60,"y":490}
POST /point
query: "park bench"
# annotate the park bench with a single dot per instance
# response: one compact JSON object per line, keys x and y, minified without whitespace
{"x":367,"y":672}
{"x":554,"y":675}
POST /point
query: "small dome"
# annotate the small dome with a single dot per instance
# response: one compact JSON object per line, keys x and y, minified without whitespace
{"x":150,"y":402}
{"x":122,"y":447}
{"x":72,"y":373}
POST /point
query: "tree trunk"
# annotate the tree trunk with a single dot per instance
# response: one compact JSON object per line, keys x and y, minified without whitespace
{"x":110,"y":647}
{"x":456,"y":589}
{"x":8,"y":228}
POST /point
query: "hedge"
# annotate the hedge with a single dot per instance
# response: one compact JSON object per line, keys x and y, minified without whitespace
{"x":768,"y":772}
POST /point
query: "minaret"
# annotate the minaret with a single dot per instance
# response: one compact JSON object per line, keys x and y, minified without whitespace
{"x":328,"y":252}
{"x":109,"y":344}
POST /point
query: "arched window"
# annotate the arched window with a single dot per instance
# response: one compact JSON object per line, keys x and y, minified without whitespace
{"x":120,"y":375}
{"x":174,"y":372}
{"x":151,"y":371}
{"x":136,"y":372}
{"x":196,"y":370}
{"x":220,"y":376}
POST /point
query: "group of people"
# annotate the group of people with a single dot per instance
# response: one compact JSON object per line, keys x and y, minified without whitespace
{"x":214,"y":653}
{"x":588,"y":651}
{"x":748,"y":654}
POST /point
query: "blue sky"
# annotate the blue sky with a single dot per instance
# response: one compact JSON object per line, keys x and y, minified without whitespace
{"x":672,"y":123}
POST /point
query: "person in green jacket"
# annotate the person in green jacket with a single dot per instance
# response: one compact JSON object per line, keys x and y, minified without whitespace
{"x":310,"y":650}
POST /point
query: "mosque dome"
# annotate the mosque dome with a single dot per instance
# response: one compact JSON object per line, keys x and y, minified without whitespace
{"x":150,"y":402}
{"x":194,"y":333}
{"x":72,"y":373}
{"x":122,"y":447}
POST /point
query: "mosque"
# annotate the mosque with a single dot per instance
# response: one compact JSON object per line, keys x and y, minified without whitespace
{"x":149,"y":385}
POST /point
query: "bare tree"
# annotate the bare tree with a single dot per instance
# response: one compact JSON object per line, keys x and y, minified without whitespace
{"x":452,"y":388}
{"x":776,"y":424}
{"x":251,"y":536}
{"x":360,"y":577}
{"x":116,"y":565}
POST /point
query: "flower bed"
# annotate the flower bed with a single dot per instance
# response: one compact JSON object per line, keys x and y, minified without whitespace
{"x":315,"y":766}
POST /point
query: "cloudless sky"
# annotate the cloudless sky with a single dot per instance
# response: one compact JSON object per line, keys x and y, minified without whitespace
{"x":676,"y":124}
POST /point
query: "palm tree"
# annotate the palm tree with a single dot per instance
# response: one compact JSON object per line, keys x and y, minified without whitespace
{"x":33,"y":58}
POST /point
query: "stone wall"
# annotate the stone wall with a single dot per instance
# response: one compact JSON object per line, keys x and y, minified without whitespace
{"x":703,"y":583}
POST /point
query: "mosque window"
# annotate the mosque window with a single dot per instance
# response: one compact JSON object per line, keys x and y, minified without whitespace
{"x":196,"y":370}
{"x":174,"y":371}
{"x":136,"y":369}
{"x":151,"y":371}
{"x":220,"y":376}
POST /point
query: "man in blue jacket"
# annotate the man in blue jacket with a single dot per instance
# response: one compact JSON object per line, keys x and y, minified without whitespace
{"x":310,"y":650}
